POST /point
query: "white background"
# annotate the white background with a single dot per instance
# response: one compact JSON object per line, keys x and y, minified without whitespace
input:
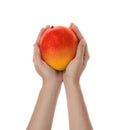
{"x":21,"y":21}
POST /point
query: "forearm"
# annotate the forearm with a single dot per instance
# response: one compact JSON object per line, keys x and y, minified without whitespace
{"x":78,"y":115}
{"x":44,"y":110}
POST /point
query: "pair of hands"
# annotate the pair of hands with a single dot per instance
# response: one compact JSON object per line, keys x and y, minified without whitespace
{"x":75,"y":67}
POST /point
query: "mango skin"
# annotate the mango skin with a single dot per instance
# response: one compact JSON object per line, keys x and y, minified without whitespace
{"x":58,"y":47}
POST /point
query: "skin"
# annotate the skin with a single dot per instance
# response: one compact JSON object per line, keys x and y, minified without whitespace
{"x":43,"y":113}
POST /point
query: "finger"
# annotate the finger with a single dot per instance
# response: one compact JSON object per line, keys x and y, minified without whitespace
{"x":39,"y":36}
{"x":81,"y":49}
{"x":37,"y":57}
{"x":41,"y":33}
{"x":71,"y":25}
{"x":34,"y":54}
{"x":76,"y":31}
{"x":86,"y":55}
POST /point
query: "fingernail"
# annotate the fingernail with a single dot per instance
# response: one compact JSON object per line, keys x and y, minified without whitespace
{"x":71,"y":24}
{"x":34,"y":45}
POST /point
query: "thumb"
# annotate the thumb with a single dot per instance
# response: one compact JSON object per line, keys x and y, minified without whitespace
{"x":81,"y":49}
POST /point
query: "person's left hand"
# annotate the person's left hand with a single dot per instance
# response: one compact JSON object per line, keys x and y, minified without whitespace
{"x":77,"y":65}
{"x":45,"y":71}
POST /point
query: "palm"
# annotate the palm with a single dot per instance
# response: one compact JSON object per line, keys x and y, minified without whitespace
{"x":51,"y":73}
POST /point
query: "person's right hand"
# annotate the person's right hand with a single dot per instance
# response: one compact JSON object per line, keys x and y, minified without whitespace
{"x":77,"y":65}
{"x":47,"y":73}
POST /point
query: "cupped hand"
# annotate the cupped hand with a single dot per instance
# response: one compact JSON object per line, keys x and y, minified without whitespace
{"x":77,"y":65}
{"x":43,"y":69}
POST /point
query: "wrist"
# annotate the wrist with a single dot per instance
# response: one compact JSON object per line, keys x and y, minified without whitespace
{"x":52,"y":82}
{"x":71,"y":82}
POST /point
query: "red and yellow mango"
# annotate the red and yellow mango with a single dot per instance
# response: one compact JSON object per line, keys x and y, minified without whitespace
{"x":58,"y":47}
